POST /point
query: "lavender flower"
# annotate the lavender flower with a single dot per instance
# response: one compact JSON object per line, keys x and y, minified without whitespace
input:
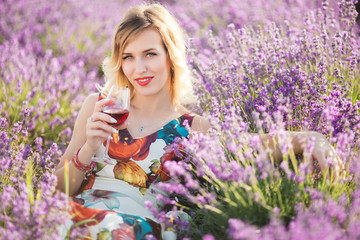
{"x":292,"y":68}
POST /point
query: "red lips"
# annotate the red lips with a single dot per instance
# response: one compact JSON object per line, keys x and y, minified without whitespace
{"x":144,"y":80}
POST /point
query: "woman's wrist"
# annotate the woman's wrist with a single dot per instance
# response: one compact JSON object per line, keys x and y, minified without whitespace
{"x":302,"y":139}
{"x":87,"y":152}
{"x":79,"y":165}
{"x":83,"y":155}
{"x":85,"y":164}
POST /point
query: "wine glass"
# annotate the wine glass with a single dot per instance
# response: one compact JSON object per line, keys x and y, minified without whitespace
{"x":117,"y":108}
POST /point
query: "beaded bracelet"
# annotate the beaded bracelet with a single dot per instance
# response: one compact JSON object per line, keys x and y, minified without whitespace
{"x":85,"y":168}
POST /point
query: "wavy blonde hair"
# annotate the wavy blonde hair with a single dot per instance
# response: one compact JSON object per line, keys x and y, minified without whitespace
{"x":136,"y":20}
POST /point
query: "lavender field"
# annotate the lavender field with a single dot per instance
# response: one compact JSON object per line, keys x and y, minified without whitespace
{"x":259,"y":66}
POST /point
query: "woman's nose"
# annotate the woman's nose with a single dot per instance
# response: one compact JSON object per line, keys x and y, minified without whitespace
{"x":141,"y":66}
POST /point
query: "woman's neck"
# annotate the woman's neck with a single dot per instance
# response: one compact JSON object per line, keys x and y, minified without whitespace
{"x":152,"y":105}
{"x":149,"y":113}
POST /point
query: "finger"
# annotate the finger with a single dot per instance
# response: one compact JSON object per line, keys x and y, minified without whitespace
{"x":338,"y":167}
{"x":333,"y":160}
{"x":99,"y":105}
{"x":99,"y":125}
{"x":330,"y":161}
{"x":320,"y":157}
{"x":311,"y":164}
{"x":98,"y":133}
{"x":121,"y":126}
{"x":100,"y":116}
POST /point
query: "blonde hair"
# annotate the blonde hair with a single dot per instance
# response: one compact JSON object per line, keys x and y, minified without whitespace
{"x":136,"y":20}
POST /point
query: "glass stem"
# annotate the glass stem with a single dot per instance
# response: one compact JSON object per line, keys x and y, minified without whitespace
{"x":107,"y":145}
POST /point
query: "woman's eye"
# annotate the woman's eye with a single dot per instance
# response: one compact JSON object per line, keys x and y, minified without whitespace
{"x":127,"y":57}
{"x":151,"y":54}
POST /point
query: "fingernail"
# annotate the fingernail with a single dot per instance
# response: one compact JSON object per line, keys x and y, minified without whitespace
{"x":115,"y":131}
{"x":113,"y":120}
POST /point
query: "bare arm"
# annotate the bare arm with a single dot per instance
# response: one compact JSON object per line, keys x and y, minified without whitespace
{"x":298,"y":140}
{"x":272,"y":143}
{"x":200,"y":124}
{"x":321,"y":150}
{"x":87,"y":135}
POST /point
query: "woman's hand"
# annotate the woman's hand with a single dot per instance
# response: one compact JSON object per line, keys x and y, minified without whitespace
{"x":97,"y":127}
{"x":325,"y":154}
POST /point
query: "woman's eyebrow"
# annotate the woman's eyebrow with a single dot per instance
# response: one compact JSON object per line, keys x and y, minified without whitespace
{"x":147,"y":50}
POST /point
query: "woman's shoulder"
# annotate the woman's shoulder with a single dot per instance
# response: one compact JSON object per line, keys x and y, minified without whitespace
{"x":198,"y":123}
{"x":89,"y":103}
{"x":91,"y":99}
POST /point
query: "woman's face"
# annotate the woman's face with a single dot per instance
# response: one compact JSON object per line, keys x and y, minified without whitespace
{"x":146,"y":64}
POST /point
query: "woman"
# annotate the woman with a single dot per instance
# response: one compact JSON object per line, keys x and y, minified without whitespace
{"x":148,"y":56}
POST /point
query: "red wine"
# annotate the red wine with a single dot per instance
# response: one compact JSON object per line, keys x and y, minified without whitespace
{"x":119,"y":114}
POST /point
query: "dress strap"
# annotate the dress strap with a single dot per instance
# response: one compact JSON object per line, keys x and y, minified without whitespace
{"x":186,"y":119}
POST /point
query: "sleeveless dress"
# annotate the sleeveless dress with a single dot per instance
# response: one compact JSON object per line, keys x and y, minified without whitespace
{"x":111,"y":200}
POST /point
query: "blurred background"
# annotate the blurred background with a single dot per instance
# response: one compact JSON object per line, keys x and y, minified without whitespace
{"x":258,"y":65}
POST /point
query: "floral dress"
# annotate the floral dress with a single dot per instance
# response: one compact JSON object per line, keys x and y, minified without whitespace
{"x":112,"y":199}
